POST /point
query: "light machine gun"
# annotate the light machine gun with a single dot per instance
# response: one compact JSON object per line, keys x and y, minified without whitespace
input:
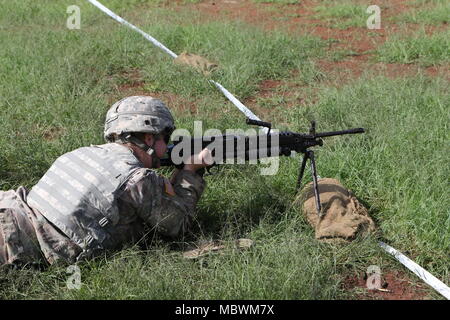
{"x":272,"y":144}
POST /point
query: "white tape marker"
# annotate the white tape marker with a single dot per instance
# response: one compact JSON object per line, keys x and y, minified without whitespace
{"x":423,"y":274}
{"x":227,"y":94}
{"x":238,"y":104}
{"x":123,"y":21}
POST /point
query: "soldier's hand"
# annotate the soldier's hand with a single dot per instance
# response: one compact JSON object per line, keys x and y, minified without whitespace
{"x":199,"y":161}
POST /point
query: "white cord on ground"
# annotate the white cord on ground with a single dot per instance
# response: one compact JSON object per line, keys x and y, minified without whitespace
{"x":423,"y":274}
{"x":411,"y":265}
{"x":235,"y":101}
{"x":238,"y":104}
{"x":227,"y":94}
{"x":123,"y":21}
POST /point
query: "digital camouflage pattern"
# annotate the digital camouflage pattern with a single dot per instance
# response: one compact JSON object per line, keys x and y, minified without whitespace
{"x":18,"y":240}
{"x":137,"y":114}
{"x":28,"y":237}
{"x":79,"y":193}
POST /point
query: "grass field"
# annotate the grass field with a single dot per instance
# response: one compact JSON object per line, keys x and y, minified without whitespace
{"x":57,"y":84}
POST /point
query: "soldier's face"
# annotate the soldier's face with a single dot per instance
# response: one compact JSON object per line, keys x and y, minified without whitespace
{"x":160,"y":147}
{"x":159,"y":144}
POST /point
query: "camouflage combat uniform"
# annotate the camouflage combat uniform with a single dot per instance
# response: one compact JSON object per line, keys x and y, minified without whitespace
{"x":32,"y":230}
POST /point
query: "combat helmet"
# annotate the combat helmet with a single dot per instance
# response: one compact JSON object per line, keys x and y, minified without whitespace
{"x":137,"y":114}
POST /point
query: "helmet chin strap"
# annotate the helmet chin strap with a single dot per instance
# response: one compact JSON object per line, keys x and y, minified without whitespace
{"x":148,"y":149}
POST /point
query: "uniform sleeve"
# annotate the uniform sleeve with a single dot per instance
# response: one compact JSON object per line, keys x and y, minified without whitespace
{"x":171,"y":213}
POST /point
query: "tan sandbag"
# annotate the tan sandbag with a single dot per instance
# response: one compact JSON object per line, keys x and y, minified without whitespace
{"x":344,"y":217}
{"x":199,"y":63}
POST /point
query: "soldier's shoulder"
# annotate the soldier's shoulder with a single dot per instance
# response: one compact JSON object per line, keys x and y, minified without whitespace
{"x":80,"y":149}
{"x":106,"y":147}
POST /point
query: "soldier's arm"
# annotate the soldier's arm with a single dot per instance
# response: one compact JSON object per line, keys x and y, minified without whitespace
{"x":168,"y":206}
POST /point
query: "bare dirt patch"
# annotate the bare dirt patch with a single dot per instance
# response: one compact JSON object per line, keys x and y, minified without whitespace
{"x":355,"y":67}
{"x":267,"y":87}
{"x":395,"y":285}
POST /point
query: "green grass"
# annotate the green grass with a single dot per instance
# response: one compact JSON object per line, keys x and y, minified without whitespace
{"x":436,"y":15}
{"x":421,"y":48}
{"x":339,"y":55}
{"x":403,"y":158}
{"x":163,"y":274}
{"x":77,"y":69}
{"x":261,"y":56}
{"x":342,"y":15}
{"x":59,"y":82}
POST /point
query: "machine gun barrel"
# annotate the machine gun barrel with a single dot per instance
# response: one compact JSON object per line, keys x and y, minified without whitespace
{"x":339,"y":133}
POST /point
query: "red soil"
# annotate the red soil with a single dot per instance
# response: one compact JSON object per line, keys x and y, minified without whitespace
{"x":394,"y":286}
